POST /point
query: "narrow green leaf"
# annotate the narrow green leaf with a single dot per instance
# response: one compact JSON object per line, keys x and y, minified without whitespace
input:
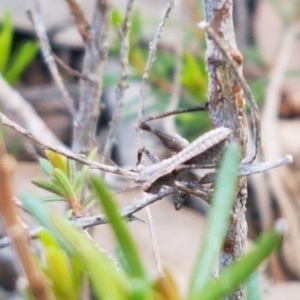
{"x":237,"y":273}
{"x":60,"y":271}
{"x":47,"y":239}
{"x":40,"y":211}
{"x":46,"y":166}
{"x":64,"y":184}
{"x":21,"y":59}
{"x":6,"y":36}
{"x":58,"y":161}
{"x":71,"y":171}
{"x":89,"y":199}
{"x":120,"y":229}
{"x":78,"y":267}
{"x":53,"y":199}
{"x":49,"y":186}
{"x":218,"y":218}
{"x":108,"y":282}
{"x":82,"y":175}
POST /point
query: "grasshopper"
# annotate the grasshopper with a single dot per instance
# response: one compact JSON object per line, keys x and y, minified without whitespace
{"x":204,"y":153}
{"x":174,"y":171}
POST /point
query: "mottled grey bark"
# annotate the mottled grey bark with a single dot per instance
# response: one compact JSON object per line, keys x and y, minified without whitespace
{"x":226,"y":108}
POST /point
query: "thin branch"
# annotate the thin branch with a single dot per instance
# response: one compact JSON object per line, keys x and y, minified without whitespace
{"x":232,"y":60}
{"x":36,"y":18}
{"x":150,"y":61}
{"x":126,"y":212}
{"x":123,"y":84}
{"x":64,"y":151}
{"x":71,"y":71}
{"x":169,"y":123}
{"x":81,"y":22}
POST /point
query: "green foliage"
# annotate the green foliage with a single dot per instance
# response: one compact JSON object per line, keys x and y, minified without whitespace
{"x":121,"y":231}
{"x":69,"y":252}
{"x":218,"y":219}
{"x":13,"y":64}
{"x":65,"y":182}
{"x":161,"y":77}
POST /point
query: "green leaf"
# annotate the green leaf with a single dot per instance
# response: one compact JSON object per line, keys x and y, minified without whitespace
{"x":116,"y":17}
{"x":120,"y":229}
{"x":72,"y":172}
{"x":40,"y":211}
{"x":82,"y":175}
{"x":65,"y":184}
{"x":49,"y":186}
{"x":60,"y":271}
{"x":47,"y":239}
{"x":78,"y":267}
{"x":46,"y":166}
{"x":107,"y":281}
{"x":53,"y":199}
{"x":58,"y":161}
{"x":218,"y":219}
{"x":89,"y":199}
{"x":6,"y":36}
{"x":21,"y":59}
{"x":237,"y":273}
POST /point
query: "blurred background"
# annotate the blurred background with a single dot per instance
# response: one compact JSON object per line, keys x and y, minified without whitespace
{"x":267,"y":33}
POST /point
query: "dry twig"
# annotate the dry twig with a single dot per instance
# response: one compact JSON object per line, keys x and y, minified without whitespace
{"x":123,"y":84}
{"x":81,"y":22}
{"x":38,"y":283}
{"x":150,"y":61}
{"x":125,"y":212}
{"x":36,"y":18}
{"x":64,"y":151}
